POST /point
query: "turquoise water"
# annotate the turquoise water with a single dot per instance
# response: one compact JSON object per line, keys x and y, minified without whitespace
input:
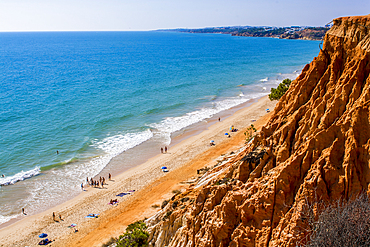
{"x":93,"y":95}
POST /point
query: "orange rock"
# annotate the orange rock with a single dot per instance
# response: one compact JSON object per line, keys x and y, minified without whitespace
{"x":315,"y":147}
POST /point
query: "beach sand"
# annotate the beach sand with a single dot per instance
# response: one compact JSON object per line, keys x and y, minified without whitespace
{"x":151,"y":185}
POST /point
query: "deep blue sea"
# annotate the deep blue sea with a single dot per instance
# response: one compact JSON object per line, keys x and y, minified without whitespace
{"x":93,"y":95}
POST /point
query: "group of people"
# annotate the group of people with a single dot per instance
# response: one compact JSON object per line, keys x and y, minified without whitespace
{"x":165,"y":150}
{"x":232,"y":128}
{"x":96,"y":183}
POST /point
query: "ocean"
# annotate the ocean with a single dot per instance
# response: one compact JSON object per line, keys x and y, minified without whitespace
{"x":71,"y":101}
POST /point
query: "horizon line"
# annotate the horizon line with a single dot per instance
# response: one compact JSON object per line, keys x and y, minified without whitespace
{"x":146,"y":30}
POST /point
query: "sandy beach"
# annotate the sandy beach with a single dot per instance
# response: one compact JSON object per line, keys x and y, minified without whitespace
{"x":150,"y":184}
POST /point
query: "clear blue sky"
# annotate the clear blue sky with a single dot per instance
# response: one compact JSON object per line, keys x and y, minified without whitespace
{"x":123,"y":15}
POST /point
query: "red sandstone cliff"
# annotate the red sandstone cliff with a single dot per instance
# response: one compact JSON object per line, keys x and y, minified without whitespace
{"x":317,"y":143}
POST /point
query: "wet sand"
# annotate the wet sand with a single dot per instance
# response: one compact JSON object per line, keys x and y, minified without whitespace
{"x":191,"y":152}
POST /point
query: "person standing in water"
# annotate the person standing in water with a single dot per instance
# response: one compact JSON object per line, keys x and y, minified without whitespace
{"x":165,"y":149}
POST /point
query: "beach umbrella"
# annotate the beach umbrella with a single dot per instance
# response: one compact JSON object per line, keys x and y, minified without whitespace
{"x":163,"y":167}
{"x":226,"y":134}
{"x":212,"y":141}
{"x":43,"y":235}
{"x":267,"y":109}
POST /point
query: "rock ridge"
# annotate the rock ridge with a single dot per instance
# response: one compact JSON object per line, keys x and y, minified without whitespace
{"x":315,"y":146}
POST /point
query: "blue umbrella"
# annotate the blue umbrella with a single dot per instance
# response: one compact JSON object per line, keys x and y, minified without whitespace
{"x":226,"y":134}
{"x":43,"y":235}
{"x":163,"y":167}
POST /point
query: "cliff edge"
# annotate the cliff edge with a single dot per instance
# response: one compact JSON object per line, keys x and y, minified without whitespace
{"x":316,"y":146}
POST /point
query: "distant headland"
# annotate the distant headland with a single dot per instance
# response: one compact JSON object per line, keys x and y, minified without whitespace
{"x":292,"y":32}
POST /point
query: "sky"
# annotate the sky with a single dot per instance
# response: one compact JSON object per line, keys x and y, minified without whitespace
{"x":140,"y":15}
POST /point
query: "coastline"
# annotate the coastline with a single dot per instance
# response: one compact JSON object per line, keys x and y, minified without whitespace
{"x":188,"y":148}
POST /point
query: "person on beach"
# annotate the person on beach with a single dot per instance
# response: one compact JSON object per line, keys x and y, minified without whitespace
{"x":82,"y":186}
{"x":219,"y":119}
{"x":54,"y":216}
{"x":92,"y":182}
{"x":60,"y":217}
{"x":165,"y":149}
{"x":23,"y":212}
{"x":87,"y":180}
{"x":103,"y":180}
{"x":162,"y":150}
{"x":110,"y":177}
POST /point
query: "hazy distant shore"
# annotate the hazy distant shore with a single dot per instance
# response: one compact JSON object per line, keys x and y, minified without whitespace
{"x":292,"y":32}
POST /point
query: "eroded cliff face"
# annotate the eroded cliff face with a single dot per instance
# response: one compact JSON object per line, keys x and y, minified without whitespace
{"x":316,"y":145}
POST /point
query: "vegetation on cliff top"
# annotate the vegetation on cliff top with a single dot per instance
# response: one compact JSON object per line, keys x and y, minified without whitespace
{"x":277,"y":93}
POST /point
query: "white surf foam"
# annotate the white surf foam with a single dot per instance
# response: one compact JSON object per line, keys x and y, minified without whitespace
{"x":170,"y":125}
{"x":4,"y":219}
{"x":68,"y":178}
{"x":114,"y":145}
{"x":19,"y":176}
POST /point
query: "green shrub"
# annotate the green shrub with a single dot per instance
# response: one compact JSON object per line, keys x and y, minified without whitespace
{"x":277,"y":93}
{"x":249,"y":132}
{"x":135,"y":236}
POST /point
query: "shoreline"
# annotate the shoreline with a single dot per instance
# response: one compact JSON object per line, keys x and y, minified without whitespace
{"x":126,"y":160}
{"x":187,"y":147}
{"x":176,"y":138}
